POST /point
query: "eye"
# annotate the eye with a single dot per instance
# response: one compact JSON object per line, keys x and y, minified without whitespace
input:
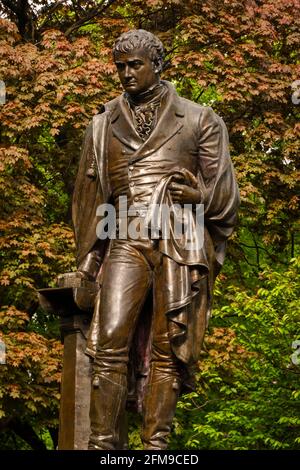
{"x":136,"y":64}
{"x":120,"y":66}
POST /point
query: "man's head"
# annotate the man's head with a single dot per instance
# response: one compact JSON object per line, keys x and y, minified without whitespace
{"x":138,"y":56}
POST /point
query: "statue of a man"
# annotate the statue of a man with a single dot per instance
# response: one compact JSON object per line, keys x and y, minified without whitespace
{"x":154,"y":149}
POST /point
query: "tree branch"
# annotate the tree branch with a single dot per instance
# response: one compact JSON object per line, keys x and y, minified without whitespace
{"x":23,"y":13}
{"x":92,"y":14}
{"x":11,"y":6}
{"x":26,"y":432}
{"x":50,"y":10}
{"x":271,"y":256}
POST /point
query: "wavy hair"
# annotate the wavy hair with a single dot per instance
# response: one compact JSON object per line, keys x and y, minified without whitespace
{"x":141,"y":39}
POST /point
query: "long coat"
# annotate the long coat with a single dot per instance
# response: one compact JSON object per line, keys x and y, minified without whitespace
{"x":196,"y":138}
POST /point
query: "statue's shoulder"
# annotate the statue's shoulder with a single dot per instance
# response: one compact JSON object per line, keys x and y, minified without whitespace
{"x":196,"y":108}
{"x":109,"y":107}
{"x":198,"y":112}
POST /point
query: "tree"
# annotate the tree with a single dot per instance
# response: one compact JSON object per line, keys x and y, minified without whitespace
{"x":28,"y":384}
{"x":51,"y":92}
{"x":248,"y":389}
{"x":34,"y":17}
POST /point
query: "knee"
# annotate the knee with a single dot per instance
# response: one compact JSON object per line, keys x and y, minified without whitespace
{"x":163,"y":360}
{"x":161,"y":351}
{"x":112,"y":352}
{"x":112,"y":349}
{"x":111,"y":337}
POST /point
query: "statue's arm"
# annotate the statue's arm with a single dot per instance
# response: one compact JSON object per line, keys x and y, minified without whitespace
{"x":217,"y":180}
{"x":86,"y":198}
{"x":209,"y":136}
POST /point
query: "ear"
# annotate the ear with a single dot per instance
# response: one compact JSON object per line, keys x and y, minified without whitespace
{"x":157,"y":66}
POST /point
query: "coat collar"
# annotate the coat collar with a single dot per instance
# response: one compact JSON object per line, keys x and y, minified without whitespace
{"x":169,"y":123}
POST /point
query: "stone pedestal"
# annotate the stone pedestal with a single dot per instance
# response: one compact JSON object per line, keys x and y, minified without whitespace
{"x":74,"y":424}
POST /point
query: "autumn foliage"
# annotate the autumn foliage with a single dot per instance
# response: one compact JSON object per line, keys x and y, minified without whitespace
{"x":241,"y":58}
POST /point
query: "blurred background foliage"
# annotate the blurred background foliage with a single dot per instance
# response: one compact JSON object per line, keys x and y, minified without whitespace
{"x":242,"y":59}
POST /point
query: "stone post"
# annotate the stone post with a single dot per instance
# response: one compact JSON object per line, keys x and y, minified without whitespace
{"x":74,"y":424}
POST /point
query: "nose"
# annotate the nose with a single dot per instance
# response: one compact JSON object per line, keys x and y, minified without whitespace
{"x":127,"y":72}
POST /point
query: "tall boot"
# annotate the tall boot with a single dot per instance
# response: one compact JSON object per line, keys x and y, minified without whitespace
{"x":108,"y":399}
{"x":159,"y":409}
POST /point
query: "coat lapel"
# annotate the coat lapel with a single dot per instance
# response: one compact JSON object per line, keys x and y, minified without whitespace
{"x":169,"y":123}
{"x":122,"y":126}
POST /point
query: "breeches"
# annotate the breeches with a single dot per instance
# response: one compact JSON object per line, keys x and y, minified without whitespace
{"x":133,"y":267}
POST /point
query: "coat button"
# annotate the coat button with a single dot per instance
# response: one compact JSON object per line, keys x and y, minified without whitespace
{"x":131,"y":184}
{"x":130,"y":168}
{"x":123,"y":151}
{"x":136,"y":199}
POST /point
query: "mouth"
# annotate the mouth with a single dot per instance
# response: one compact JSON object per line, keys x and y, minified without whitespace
{"x":130,"y":84}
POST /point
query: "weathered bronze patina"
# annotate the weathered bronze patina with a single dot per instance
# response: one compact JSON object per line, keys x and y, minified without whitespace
{"x":154,"y":300}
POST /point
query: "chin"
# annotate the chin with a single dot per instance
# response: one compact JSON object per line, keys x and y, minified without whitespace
{"x":132,"y":90}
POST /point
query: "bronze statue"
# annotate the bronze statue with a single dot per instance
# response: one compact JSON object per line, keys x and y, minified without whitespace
{"x":153,"y":148}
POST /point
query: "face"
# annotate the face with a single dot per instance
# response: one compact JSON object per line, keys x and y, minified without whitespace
{"x":136,"y":71}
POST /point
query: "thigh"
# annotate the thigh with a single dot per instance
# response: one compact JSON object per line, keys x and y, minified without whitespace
{"x":125,"y":283}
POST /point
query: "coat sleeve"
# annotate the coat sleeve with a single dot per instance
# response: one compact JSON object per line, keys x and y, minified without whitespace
{"x":217,"y":180}
{"x":86,"y":198}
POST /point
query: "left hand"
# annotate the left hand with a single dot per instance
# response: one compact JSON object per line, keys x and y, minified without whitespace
{"x":183,"y":194}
